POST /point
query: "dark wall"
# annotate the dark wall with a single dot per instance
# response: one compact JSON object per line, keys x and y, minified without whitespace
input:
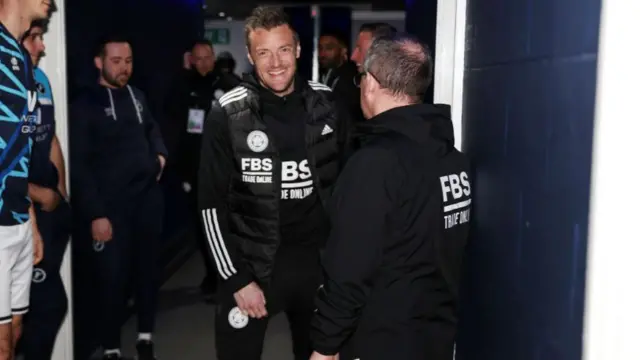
{"x":302,"y":22}
{"x":528,"y":122}
{"x":337,"y":19}
{"x":160,"y":31}
{"x":420,"y":21}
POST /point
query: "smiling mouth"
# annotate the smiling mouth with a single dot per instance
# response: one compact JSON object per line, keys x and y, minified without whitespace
{"x":276,"y":73}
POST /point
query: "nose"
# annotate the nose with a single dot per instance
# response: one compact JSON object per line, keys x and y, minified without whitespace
{"x":275,"y":61}
{"x":354,"y":56}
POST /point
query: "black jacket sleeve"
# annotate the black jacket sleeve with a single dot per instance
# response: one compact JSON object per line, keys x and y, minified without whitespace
{"x":216,"y":167}
{"x":359,"y":226}
{"x":84,"y":189}
{"x":346,"y":144}
{"x":153,"y":130}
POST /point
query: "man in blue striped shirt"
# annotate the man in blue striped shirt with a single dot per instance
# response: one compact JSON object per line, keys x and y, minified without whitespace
{"x":18,"y":231}
{"x":47,"y":189}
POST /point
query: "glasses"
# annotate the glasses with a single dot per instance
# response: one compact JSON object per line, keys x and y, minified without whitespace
{"x":358,"y":78}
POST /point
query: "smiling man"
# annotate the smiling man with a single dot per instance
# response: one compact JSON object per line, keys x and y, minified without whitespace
{"x":270,"y":157}
{"x":19,"y":236}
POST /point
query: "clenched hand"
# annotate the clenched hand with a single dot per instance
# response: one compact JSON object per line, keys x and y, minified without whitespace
{"x":251,"y":301}
{"x":101,"y":230}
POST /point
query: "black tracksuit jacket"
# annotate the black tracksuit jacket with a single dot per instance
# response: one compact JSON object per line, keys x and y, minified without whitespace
{"x":400,"y":220}
{"x":242,"y":174}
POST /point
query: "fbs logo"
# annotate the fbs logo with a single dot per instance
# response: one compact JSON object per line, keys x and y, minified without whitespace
{"x":32,"y":100}
{"x":457,"y":185}
{"x":256,"y":164}
{"x":292,"y":171}
{"x":296,"y":180}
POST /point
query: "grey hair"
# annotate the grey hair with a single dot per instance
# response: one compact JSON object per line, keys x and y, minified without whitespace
{"x":402,"y":65}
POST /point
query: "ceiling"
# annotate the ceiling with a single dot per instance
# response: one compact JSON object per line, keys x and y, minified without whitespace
{"x":239,"y":9}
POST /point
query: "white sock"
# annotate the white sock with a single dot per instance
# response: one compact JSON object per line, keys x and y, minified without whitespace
{"x":112,"y":352}
{"x":144,"y":337}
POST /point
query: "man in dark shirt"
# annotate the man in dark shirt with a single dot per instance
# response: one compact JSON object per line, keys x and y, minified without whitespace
{"x":227,"y":64}
{"x":188,"y":107}
{"x":48,"y":189}
{"x":117,"y":157}
{"x":400,"y":219}
{"x":270,"y":157}
{"x":339,"y":73}
{"x":366,"y":34}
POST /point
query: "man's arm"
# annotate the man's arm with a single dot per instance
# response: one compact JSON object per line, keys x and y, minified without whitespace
{"x":216,"y":166}
{"x":85,"y":193}
{"x":38,"y":249}
{"x":359,"y":229}
{"x":57,"y":158}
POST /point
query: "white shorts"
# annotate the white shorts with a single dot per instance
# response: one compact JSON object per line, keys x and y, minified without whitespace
{"x":16,"y":268}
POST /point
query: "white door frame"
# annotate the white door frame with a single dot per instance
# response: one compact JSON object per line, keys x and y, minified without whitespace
{"x":449,"y":56}
{"x":612,"y":296}
{"x":448,"y":73}
{"x":54,"y":64}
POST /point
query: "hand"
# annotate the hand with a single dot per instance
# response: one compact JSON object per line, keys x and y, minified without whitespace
{"x":38,"y":247}
{"x":101,"y":230}
{"x":317,"y":356}
{"x":47,"y":198}
{"x":162,"y":161}
{"x":251,"y":301}
{"x":186,"y":187}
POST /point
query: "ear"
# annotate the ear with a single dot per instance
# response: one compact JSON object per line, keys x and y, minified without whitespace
{"x":249,"y":56}
{"x":298,"y":49}
{"x":98,"y":62}
{"x":344,"y":53}
{"x":370,"y":84}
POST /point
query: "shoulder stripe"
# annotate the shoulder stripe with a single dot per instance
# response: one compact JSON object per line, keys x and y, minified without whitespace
{"x":13,"y":53}
{"x":11,"y":42}
{"x":321,"y":88}
{"x":233,"y":92}
{"x":234,"y":98}
{"x":318,"y":86}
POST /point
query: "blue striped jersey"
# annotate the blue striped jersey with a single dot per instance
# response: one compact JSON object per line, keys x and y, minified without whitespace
{"x":18,"y":99}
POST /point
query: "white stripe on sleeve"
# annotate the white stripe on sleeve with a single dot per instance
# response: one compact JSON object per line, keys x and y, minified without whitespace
{"x":216,"y":244}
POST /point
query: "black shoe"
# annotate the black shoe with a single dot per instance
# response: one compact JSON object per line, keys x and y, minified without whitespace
{"x":145,"y":350}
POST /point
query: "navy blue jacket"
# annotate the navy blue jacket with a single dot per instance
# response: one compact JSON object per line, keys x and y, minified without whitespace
{"x":115,"y":143}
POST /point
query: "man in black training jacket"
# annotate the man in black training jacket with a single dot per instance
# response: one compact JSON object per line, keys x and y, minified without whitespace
{"x":270,"y":157}
{"x":188,"y":107}
{"x":399,"y":221}
{"x":117,"y":157}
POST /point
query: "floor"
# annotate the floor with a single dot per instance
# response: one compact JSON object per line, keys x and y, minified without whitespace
{"x":185,"y":328}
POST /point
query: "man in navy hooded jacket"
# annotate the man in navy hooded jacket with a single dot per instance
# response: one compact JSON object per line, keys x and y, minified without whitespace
{"x":117,"y":158}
